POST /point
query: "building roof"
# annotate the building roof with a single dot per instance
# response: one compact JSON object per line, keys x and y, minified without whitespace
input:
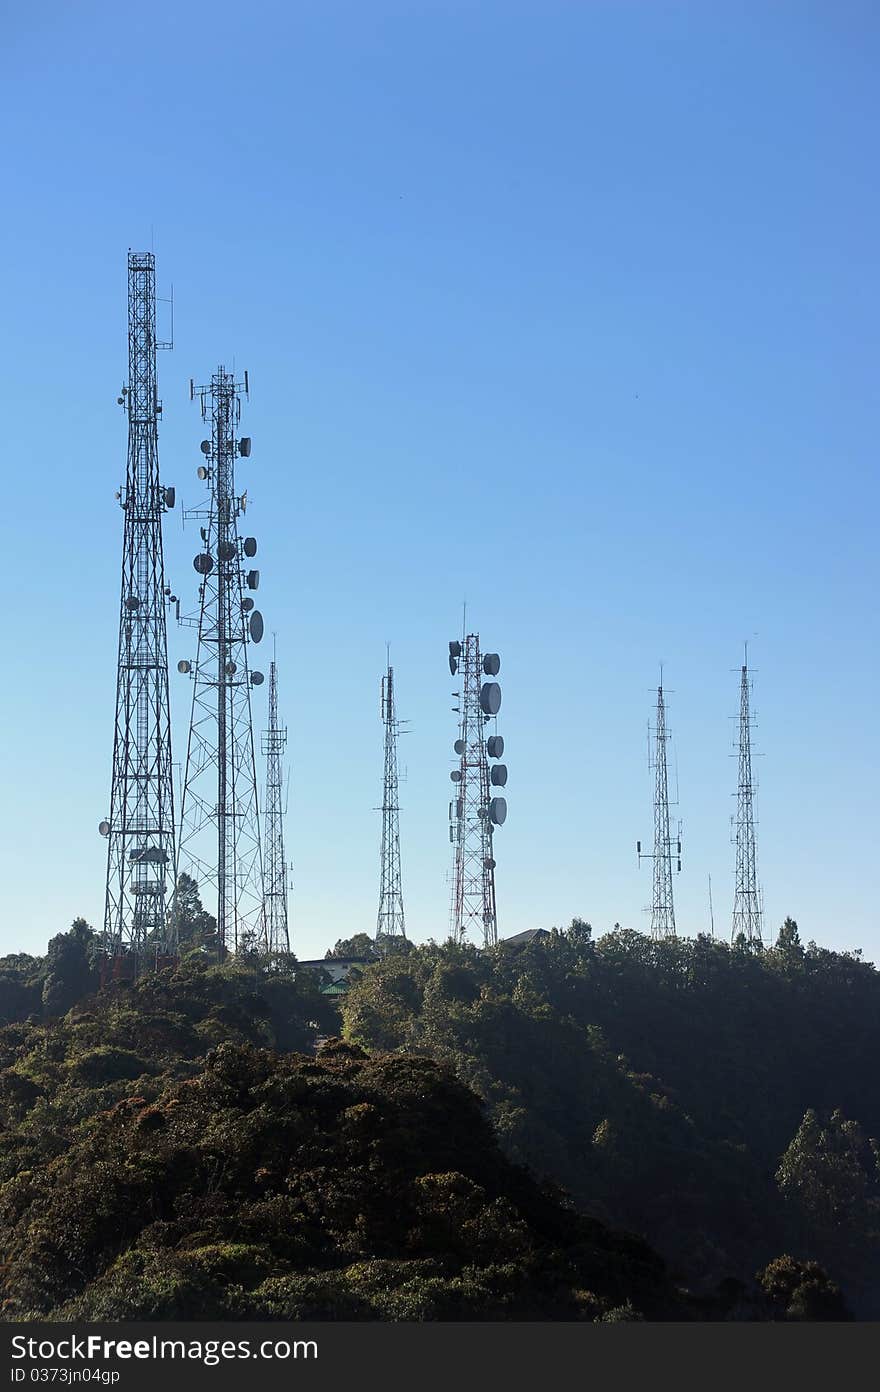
{"x":530,"y":935}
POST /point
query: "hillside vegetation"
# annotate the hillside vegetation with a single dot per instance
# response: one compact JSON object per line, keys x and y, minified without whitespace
{"x":162,"y":1159}
{"x":514,"y":1134}
{"x":717,"y":1100}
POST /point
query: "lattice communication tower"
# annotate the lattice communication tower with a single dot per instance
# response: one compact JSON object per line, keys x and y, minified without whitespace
{"x":390,"y":923}
{"x":476,"y":810}
{"x":220,"y":843}
{"x":140,"y":825}
{"x":667,"y":849}
{"x":747,"y":908}
{"x":276,"y":867}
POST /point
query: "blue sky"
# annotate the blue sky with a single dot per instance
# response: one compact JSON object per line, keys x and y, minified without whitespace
{"x":566,"y":309}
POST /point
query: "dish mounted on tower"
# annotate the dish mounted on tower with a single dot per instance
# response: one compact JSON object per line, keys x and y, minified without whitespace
{"x":141,"y":869}
{"x":220,"y":842}
{"x":476,"y":810}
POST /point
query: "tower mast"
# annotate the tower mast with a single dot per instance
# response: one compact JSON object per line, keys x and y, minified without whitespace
{"x":747,"y":912}
{"x":140,"y":826}
{"x":475,"y":811}
{"x":220,"y":841}
{"x":390,"y":922}
{"x":274,"y":743}
{"x":665,"y":847}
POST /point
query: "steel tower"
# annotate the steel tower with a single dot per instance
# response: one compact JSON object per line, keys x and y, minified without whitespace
{"x":276,"y":868}
{"x":220,"y":825}
{"x":665,"y":846}
{"x":747,"y":910}
{"x":390,"y":922}
{"x":475,"y":811}
{"x":140,"y":827}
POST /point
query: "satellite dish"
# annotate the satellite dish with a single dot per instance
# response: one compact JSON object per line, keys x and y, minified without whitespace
{"x":183,"y":666}
{"x":226,"y":550}
{"x":495,"y":746}
{"x":250,"y":546}
{"x":205,"y":447}
{"x":253,"y":579}
{"x":490,"y":698}
{"x":453,"y":664}
{"x":489,"y":863}
{"x":231,"y":669}
{"x":244,"y":447}
{"x":459,"y":746}
{"x":132,"y":602}
{"x":204,"y":563}
{"x":104,"y":828}
{"x":170,"y":497}
{"x":455,"y":649}
{"x":257,"y":679}
{"x":498,"y":810}
{"x":455,"y":775}
{"x":247,"y":605}
{"x":256,"y":626}
{"x":498,"y":775}
{"x":491,"y":664}
{"x":202,"y":472}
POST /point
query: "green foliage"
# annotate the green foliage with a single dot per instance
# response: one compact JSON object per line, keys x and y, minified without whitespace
{"x":70,"y":968}
{"x":801,"y":1291}
{"x":360,"y":945}
{"x":192,"y":927}
{"x":254,"y":1185}
{"x":658,"y":1082}
{"x":829,"y":1177}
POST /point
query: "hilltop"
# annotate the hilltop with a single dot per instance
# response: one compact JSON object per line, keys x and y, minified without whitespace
{"x":561,"y":1129}
{"x":152,"y":1171}
{"x":718,"y":1100}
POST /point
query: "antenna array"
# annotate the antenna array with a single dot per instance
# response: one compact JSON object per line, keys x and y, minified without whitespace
{"x":140,"y":825}
{"x":220,"y":825}
{"x":476,"y":810}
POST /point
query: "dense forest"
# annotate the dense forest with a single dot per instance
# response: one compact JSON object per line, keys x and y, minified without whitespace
{"x":568,"y":1129}
{"x":719,"y":1100}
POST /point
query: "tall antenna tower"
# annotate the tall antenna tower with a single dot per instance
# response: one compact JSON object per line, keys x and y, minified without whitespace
{"x":476,"y":811}
{"x":274,"y":743}
{"x":390,"y":922}
{"x":220,"y":824}
{"x":666,"y":848}
{"x":140,"y":826}
{"x":747,"y":910}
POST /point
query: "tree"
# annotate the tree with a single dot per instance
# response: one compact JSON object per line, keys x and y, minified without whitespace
{"x":829,"y":1173}
{"x":361,"y":945}
{"x":788,"y":943}
{"x":191,"y":923}
{"x":70,"y":973}
{"x":800,"y":1290}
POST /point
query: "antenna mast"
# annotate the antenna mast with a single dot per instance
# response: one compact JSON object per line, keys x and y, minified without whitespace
{"x":220,"y":824}
{"x":390,"y":922}
{"x":141,"y":869}
{"x":475,"y":812}
{"x":274,"y":743}
{"x":665,"y":847}
{"x":747,"y":913}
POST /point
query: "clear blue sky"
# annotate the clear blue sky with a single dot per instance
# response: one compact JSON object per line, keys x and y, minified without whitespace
{"x":570,"y":309}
